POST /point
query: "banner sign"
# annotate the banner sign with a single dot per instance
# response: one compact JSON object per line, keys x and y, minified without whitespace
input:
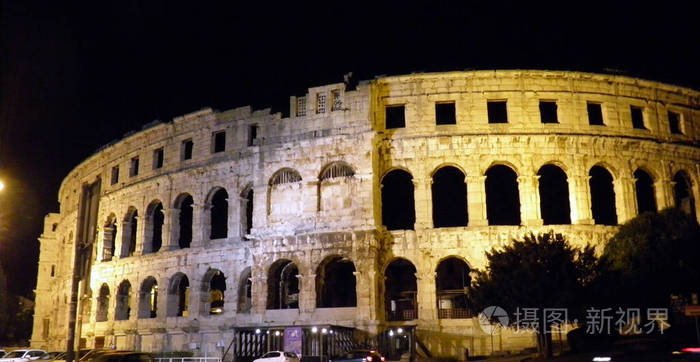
{"x":292,"y":340}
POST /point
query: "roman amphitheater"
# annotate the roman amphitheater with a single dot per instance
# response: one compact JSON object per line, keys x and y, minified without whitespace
{"x":358,"y":218}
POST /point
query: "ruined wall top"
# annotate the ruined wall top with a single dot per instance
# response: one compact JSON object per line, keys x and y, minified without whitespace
{"x":333,"y":109}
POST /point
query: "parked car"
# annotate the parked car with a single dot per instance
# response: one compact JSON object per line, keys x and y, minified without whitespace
{"x":278,"y":356}
{"x":93,"y":353}
{"x":21,"y":355}
{"x":58,"y":356}
{"x":52,"y":355}
{"x":360,"y":355}
{"x":124,"y":356}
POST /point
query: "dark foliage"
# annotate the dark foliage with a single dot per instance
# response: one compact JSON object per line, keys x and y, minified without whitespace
{"x":16,"y":328}
{"x":650,"y":258}
{"x":542,"y":271}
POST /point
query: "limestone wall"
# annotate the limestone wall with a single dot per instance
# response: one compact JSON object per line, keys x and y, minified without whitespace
{"x":302,"y":215}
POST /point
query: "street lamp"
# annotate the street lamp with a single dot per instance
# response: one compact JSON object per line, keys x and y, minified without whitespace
{"x":2,"y":185}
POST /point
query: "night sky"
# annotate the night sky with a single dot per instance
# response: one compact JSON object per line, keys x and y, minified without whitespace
{"x":76,"y":75}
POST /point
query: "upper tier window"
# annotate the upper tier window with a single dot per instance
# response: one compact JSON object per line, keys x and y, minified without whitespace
{"x":637,"y":117}
{"x":445,"y":113}
{"x":395,"y":117}
{"x":497,"y":111}
{"x":595,"y":114}
{"x":548,"y":112}
{"x":674,"y":122}
{"x":219,"y":142}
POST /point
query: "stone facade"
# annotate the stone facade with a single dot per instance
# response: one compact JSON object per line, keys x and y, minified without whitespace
{"x":276,"y":198}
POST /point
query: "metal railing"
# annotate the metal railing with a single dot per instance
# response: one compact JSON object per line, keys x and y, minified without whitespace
{"x":189,"y":359}
{"x":454,"y":313}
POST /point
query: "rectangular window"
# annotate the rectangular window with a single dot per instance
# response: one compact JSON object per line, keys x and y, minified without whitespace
{"x":595,"y":114}
{"x":301,"y":106}
{"x":53,"y":271}
{"x":187,"y":146}
{"x":252,"y":135}
{"x":445,"y":113}
{"x":674,"y":122}
{"x":219,"y":139}
{"x":320,"y":103}
{"x":548,"y":112}
{"x":498,"y":111}
{"x":637,"y":117}
{"x":134,"y":170}
{"x":337,"y":102}
{"x":395,"y":117}
{"x":158,"y":158}
{"x":115,"y":175}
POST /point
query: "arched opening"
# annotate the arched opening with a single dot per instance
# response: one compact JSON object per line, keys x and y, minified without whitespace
{"x":335,"y":187}
{"x":449,"y":198}
{"x":502,"y":196}
{"x":554,"y":196}
{"x":245,"y":291}
{"x":398,"y":207}
{"x":122,"y":311}
{"x":452,"y":283}
{"x":178,"y":296}
{"x":129,"y":233}
{"x":214,"y":289}
{"x":335,"y":283}
{"x":644,"y":188}
{"x":247,"y":211}
{"x":219,"y":215}
{"x":284,"y":194}
{"x":283,"y":285}
{"x":154,"y":227}
{"x":285,"y":176}
{"x":109,"y":237}
{"x":186,"y":207}
{"x":335,"y":170}
{"x":400,"y":290}
{"x":683,"y":193}
{"x":102,"y":304}
{"x":602,"y":196}
{"x":148,"y":301}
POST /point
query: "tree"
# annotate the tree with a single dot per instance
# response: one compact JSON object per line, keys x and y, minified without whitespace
{"x":540,"y":272}
{"x":651,"y":257}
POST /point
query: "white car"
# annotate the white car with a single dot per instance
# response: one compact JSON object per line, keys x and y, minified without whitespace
{"x":22,"y":355}
{"x":278,"y":356}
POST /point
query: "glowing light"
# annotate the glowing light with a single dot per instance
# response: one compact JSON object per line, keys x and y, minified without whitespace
{"x":277,"y":333}
{"x":391,"y":333}
{"x":314,"y":330}
{"x":399,"y":330}
{"x":324,"y":331}
{"x":257,"y":331}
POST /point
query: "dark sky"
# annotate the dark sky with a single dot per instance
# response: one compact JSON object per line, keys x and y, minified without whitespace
{"x":76,"y":75}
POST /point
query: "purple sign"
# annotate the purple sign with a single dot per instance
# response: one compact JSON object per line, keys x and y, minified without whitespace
{"x":292,"y":340}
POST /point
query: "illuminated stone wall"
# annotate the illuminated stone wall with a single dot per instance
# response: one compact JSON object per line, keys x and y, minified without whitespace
{"x":339,"y":213}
